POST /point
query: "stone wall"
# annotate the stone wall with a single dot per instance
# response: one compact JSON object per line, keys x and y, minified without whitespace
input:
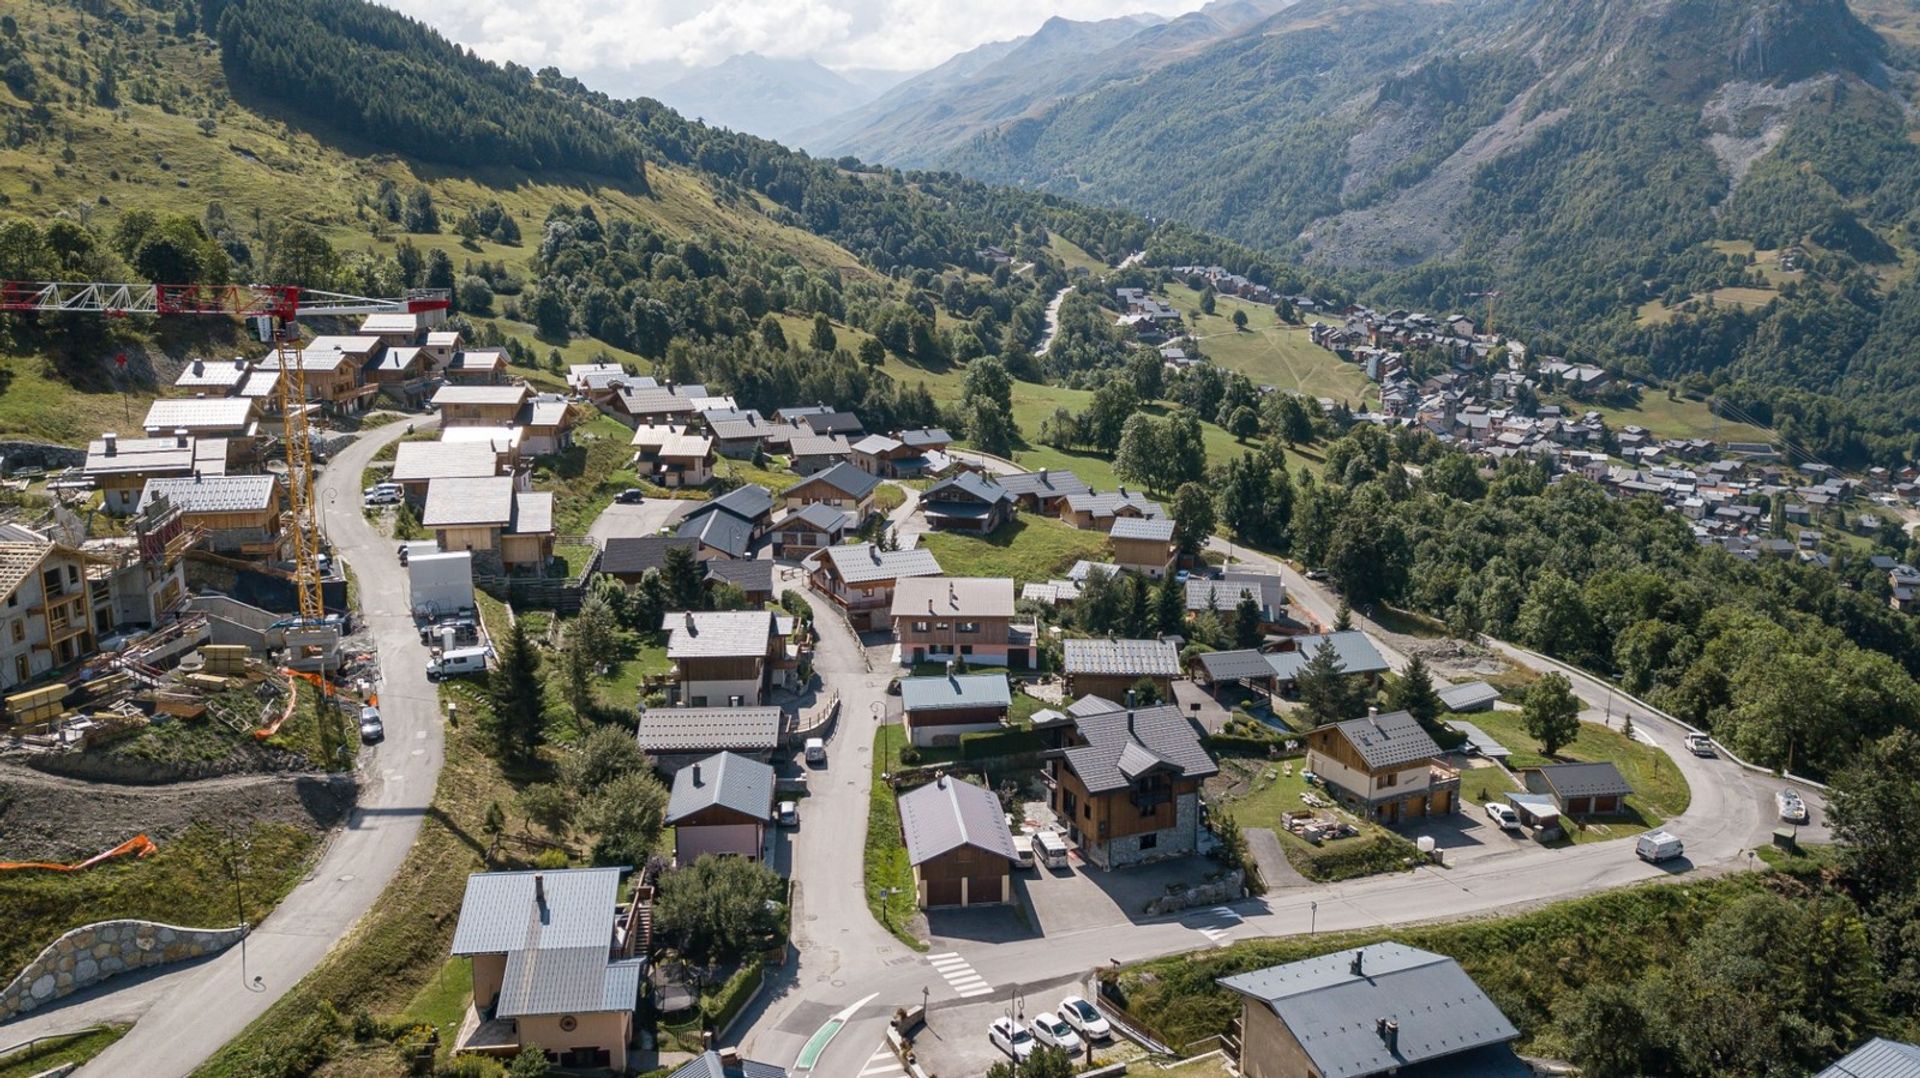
{"x":1215,"y":891}
{"x":94,"y":953}
{"x":1180,"y":840}
{"x":15,"y":455}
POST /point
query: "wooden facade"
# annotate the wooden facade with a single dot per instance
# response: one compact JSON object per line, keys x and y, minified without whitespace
{"x":720,"y":831}
{"x":964,"y":876}
{"x":1113,"y":686}
{"x":1096,"y":818}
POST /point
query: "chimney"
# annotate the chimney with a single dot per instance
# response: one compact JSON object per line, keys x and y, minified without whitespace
{"x":1373,"y":711}
{"x":874,"y":552}
{"x":929,"y":606}
{"x":696,"y":773}
{"x":199,"y":365}
{"x":540,"y":890}
{"x":950,"y":676}
{"x":1357,"y":968}
{"x":180,"y":437}
{"x":691,"y":627}
{"x":113,"y":443}
{"x":940,"y":779}
{"x":1389,"y":1031}
{"x":1130,"y":699}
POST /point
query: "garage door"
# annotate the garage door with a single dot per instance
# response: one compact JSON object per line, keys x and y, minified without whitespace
{"x":983,"y":889}
{"x":943,"y":892}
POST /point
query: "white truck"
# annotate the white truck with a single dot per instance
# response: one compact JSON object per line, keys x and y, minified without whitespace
{"x":459,"y":661}
{"x":1657,"y":846}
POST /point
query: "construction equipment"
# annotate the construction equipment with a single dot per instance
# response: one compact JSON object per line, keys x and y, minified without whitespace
{"x":275,"y":311}
{"x":1489,"y":297}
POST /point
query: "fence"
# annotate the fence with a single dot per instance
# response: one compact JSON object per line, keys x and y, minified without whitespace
{"x":562,"y":596}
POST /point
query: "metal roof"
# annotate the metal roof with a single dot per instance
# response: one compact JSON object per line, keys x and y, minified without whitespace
{"x":139,"y":455}
{"x":818,"y":445}
{"x":1354,"y":649}
{"x":1083,"y":569}
{"x":1122,"y":745}
{"x":1335,"y":1013}
{"x":214,"y":412}
{"x":1479,"y":741}
{"x":876,"y":443}
{"x":819,"y":515}
{"x":949,"y":691}
{"x":863,"y":563}
{"x":211,"y":373}
{"x":1106,"y":505}
{"x":478,"y":359}
{"x":638,"y":554}
{"x":946,"y":814}
{"x":750,"y":502}
{"x":1878,"y":1058}
{"x":1152,"y":529}
{"x":842,"y":477}
{"x":458,"y":502}
{"x":1137,"y":658}
{"x":212,"y":494}
{"x":708,"y":1065}
{"x":691,"y":729}
{"x":723,"y":780}
{"x":724,"y":532}
{"x":397,"y":359}
{"x":970,"y":485}
{"x":924,"y":437}
{"x":1466,"y":697}
{"x":1226,"y":665}
{"x":1045,"y":483}
{"x":546,"y":413}
{"x":710,"y":634}
{"x":458,"y":394}
{"x":499,"y":913}
{"x":657,"y":401}
{"x":1226,"y":592}
{"x":750,"y":575}
{"x":571,"y":980}
{"x":532,"y":512}
{"x":1389,"y":740}
{"x":444,"y":460}
{"x":1596,"y":779}
{"x":954,"y":597}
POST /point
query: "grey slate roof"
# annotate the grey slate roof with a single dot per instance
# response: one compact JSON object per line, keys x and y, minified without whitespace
{"x":1155,"y":529}
{"x":835,"y":423}
{"x":724,"y":532}
{"x":723,"y":780}
{"x":712,"y":634}
{"x":818,"y":515}
{"x":1585,"y":780}
{"x":1226,"y":665}
{"x":532,"y":512}
{"x":926,"y":436}
{"x":1122,"y":745}
{"x":860,"y":563}
{"x":970,"y":486}
{"x":568,"y":980}
{"x":818,"y":445}
{"x":1356,"y":651}
{"x":750,"y":576}
{"x":875,"y":444}
{"x":1389,"y":740}
{"x":750,"y":502}
{"x":1136,"y":658}
{"x":629,"y":554}
{"x":212,"y":494}
{"x":1046,"y":483}
{"x":1105,"y":505}
{"x":1226,"y":593}
{"x":1878,"y":1058}
{"x":946,"y":814}
{"x":1473,"y":694}
{"x":1332,"y":1011}
{"x":690,"y":729}
{"x":708,"y":1065}
{"x":1091,"y":705}
{"x":1480,"y":741}
{"x":842,"y":477}
{"x":498,"y":913}
{"x":454,"y":502}
{"x":949,"y":691}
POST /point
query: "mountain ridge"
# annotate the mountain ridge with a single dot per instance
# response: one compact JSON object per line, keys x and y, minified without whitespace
{"x":771,"y":97}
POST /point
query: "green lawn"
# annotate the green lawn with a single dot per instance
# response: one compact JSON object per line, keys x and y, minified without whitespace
{"x":886,"y":855}
{"x":442,"y":1001}
{"x":1073,"y":255}
{"x":1683,"y":417}
{"x":1028,"y":548}
{"x":774,"y":477}
{"x":586,"y":477}
{"x":50,"y":1055}
{"x":1660,"y":791}
{"x":1269,"y":351}
{"x":1275,"y":792}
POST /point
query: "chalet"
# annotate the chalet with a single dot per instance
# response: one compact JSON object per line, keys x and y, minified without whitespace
{"x":417,"y":464}
{"x":753,"y":576}
{"x":480,"y":406}
{"x":938,"y":710}
{"x":1045,"y":491}
{"x":336,"y":370}
{"x":1353,"y":648}
{"x":1109,"y":667}
{"x":1099,"y":511}
{"x":673,"y":457}
{"x":752,"y":503}
{"x":1217,"y":670}
{"x":240,"y":514}
{"x":925,"y":439}
{"x":205,"y":417}
{"x":600,"y":386}
{"x":627,"y":558}
{"x":1468,"y":696}
{"x":842,"y":486}
{"x":504,"y":527}
{"x":674,"y":737}
{"x":396,"y":368}
{"x":733,"y":657}
{"x":739,"y":435}
{"x":658,"y":405}
{"x":46,"y":603}
{"x":958,"y":844}
{"x":1223,"y":596}
{"x":119,"y":469}
{"x":556,"y":963}
{"x":717,"y":534}
{"x":548,"y":424}
{"x":224,"y":378}
{"x":798,"y":413}
{"x":1583,"y":789}
{"x":810,"y":453}
{"x":940,"y":617}
{"x":1380,"y":1009}
{"x":726,"y":1063}
{"x":505,"y":441}
{"x":441,"y":346}
{"x":1386,"y":768}
{"x":809,"y":528}
{"x":582,"y":377}
{"x":967,"y":502}
{"x":720,"y":807}
{"x":904,"y":455}
{"x":476,"y":367}
{"x":1127,"y":784}
{"x":860,"y":579}
{"x":392,"y":328}
{"x":842,"y":424}
{"x":1143,"y":545}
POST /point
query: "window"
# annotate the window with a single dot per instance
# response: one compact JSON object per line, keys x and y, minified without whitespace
{"x":1391,"y":778}
{"x":966,"y":649}
{"x":919,"y":626}
{"x":1068,"y":801}
{"x":1150,"y":840}
{"x":699,"y":701}
{"x":19,"y":668}
{"x":968,"y":627}
{"x":73,"y":574}
{"x":19,"y":630}
{"x":1086,"y":811}
{"x":942,"y":626}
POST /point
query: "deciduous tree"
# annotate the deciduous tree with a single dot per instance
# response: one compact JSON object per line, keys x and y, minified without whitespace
{"x":1552,"y":713}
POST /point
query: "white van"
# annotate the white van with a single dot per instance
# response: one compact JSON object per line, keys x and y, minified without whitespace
{"x":1655,"y":846}
{"x":1023,"y":851}
{"x":457,"y":662}
{"x":1051,"y":849}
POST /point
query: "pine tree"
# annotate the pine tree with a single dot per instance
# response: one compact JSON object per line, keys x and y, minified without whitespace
{"x":1343,"y":618}
{"x":519,"y":710}
{"x":1414,"y":693}
{"x":1246,"y":622}
{"x":1170,"y":606}
{"x":823,"y":339}
{"x":1138,"y":624}
{"x":681,"y":575}
{"x":1326,"y":691}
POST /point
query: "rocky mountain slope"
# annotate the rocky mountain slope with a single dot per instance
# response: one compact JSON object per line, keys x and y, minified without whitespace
{"x":769,"y":97}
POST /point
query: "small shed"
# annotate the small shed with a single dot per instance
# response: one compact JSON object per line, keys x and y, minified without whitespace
{"x":958,"y":843}
{"x":1582,"y":789}
{"x":1536,"y":810}
{"x":1471,"y":696}
{"x":1479,"y":743}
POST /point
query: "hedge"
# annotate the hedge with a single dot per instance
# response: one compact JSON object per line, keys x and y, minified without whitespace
{"x":719,"y":1008}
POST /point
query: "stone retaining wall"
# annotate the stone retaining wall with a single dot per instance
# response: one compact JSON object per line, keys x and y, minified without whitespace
{"x":94,"y":953}
{"x":1228,"y":887}
{"x":39,"y":455}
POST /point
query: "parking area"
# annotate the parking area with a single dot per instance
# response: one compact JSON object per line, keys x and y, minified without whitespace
{"x":954,"y":1038}
{"x":640,"y":519}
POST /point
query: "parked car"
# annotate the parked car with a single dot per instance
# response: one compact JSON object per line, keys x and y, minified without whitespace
{"x":1792,"y":809}
{"x":457,"y":662}
{"x":1316,"y":574}
{"x":371,"y":729}
{"x":1182,"y":576}
{"x":1501,"y":813}
{"x":631,"y":496}
{"x":1050,"y":1028}
{"x":1011,"y":1037}
{"x":1086,"y":1018}
{"x":1700,"y":744}
{"x":789,"y":814}
{"x":816,"y":750}
{"x":383,"y":494}
{"x":1656,"y":846}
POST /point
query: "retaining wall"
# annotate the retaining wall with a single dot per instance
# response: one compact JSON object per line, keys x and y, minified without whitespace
{"x":40,"y":455}
{"x":97,"y":952}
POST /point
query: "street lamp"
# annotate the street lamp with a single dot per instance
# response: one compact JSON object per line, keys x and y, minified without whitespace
{"x":1313,"y":917}
{"x":886,"y":898}
{"x":237,"y":849}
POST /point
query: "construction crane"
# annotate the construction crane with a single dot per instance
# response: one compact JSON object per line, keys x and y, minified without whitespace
{"x":1489,"y":297}
{"x":275,"y":311}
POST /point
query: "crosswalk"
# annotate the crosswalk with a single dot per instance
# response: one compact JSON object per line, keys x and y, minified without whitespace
{"x":884,"y":1064}
{"x":1220,"y":920}
{"x":959,"y":975}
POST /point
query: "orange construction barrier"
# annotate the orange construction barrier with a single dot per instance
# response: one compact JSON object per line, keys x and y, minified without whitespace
{"x":273,"y":727}
{"x":138,"y":845}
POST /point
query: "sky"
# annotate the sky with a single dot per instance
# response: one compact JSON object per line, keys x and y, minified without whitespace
{"x":629,"y":46}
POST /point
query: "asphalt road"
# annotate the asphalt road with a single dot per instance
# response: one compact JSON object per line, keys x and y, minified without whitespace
{"x":194,"y":1015}
{"x":639,"y":520}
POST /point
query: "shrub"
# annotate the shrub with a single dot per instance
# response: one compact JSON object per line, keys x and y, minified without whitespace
{"x":719,"y":1008}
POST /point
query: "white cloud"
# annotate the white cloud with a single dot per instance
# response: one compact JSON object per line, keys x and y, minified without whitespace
{"x":625,"y":46}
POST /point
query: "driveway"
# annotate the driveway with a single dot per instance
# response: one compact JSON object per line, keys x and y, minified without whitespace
{"x":645,"y":518}
{"x":195,"y":1015}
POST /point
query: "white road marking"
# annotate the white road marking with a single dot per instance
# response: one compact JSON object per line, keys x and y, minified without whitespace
{"x":1216,"y":933}
{"x":959,"y":975}
{"x":884,"y":1064}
